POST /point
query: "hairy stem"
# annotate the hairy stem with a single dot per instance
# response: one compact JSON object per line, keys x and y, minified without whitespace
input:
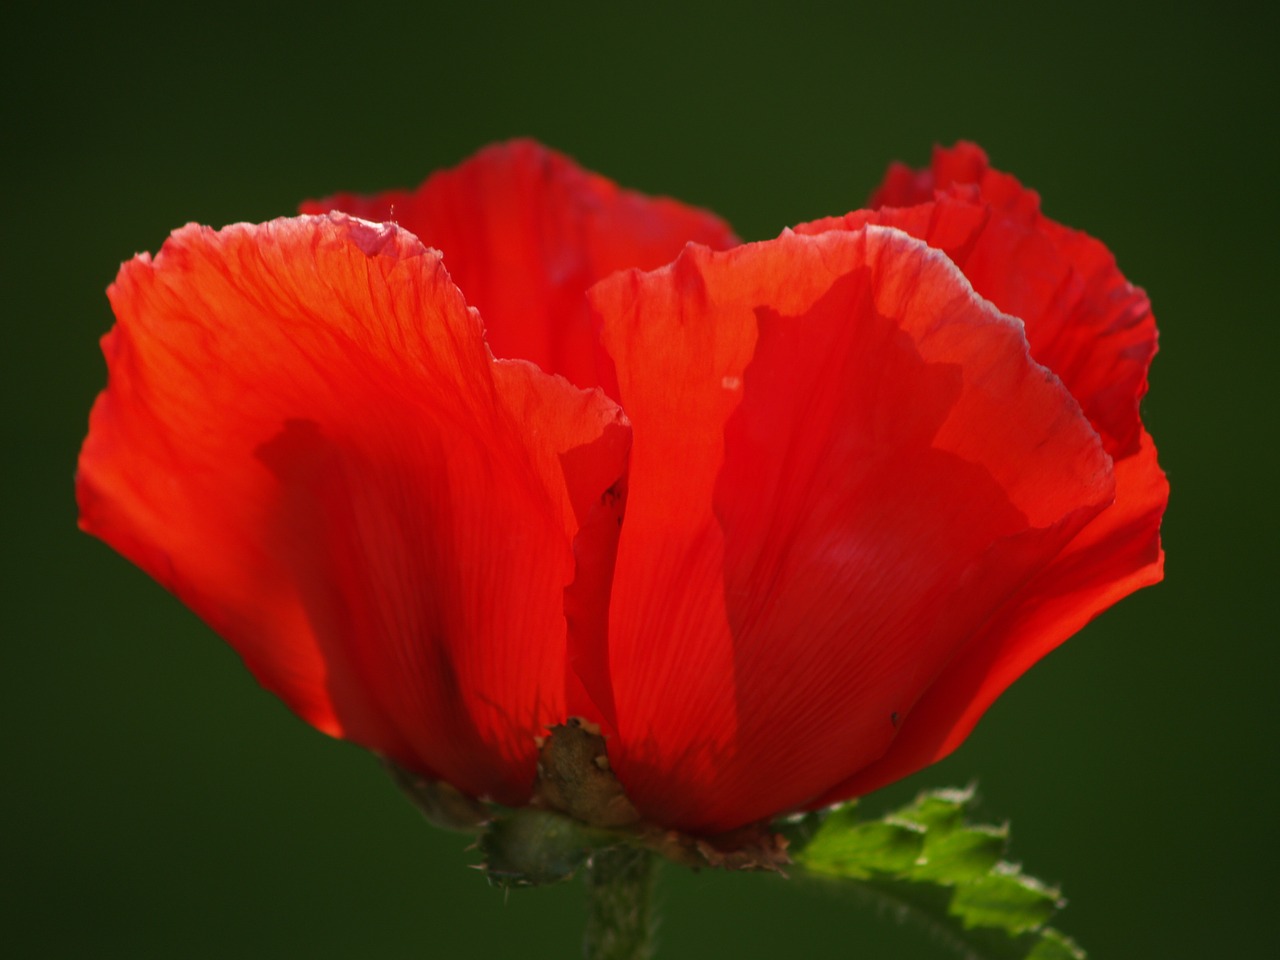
{"x":620,"y":925}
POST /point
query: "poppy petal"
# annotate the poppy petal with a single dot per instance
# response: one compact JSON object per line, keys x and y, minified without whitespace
{"x":1116,"y":554}
{"x":964,"y":163}
{"x":306,"y":439}
{"x":843,"y":462}
{"x":525,"y":231}
{"x":1084,"y":320}
{"x":1095,"y":330}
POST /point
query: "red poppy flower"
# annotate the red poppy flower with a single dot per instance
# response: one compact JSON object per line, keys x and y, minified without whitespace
{"x":783,"y":518}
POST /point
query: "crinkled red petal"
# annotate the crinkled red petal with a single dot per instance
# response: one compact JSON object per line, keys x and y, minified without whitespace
{"x":525,"y":232}
{"x":1114,"y":555}
{"x":964,"y":164}
{"x":843,"y":463}
{"x":1091,"y":327}
{"x":1084,"y":321}
{"x":306,"y":439}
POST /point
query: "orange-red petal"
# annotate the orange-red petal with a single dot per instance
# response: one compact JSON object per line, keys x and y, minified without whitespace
{"x":1084,"y":321}
{"x":525,"y":231}
{"x":1114,"y":555}
{"x":306,"y":439}
{"x":1095,"y":330}
{"x":843,"y":463}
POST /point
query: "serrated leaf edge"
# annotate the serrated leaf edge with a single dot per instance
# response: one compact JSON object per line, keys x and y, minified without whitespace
{"x":952,"y":926}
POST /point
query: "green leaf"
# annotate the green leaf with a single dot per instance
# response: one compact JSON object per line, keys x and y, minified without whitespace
{"x":939,"y":811}
{"x":1054,"y":946}
{"x":963,"y":854}
{"x":924,"y":861}
{"x":864,"y":849}
{"x":1005,"y":899}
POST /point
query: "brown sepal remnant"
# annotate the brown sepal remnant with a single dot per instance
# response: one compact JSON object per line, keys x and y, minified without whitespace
{"x":574,"y":777}
{"x":443,"y":805}
{"x":754,"y":847}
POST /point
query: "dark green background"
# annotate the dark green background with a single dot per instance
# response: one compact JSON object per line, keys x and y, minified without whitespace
{"x":159,"y":804}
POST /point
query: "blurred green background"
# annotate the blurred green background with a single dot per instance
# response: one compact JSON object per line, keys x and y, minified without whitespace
{"x":157,"y":803}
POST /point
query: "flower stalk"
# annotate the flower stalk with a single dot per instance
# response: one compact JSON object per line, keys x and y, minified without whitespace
{"x":620,"y":920}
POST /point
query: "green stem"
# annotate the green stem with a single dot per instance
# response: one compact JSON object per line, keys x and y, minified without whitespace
{"x":619,"y":905}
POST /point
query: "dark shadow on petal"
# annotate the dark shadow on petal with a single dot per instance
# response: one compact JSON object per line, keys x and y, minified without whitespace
{"x":315,"y":518}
